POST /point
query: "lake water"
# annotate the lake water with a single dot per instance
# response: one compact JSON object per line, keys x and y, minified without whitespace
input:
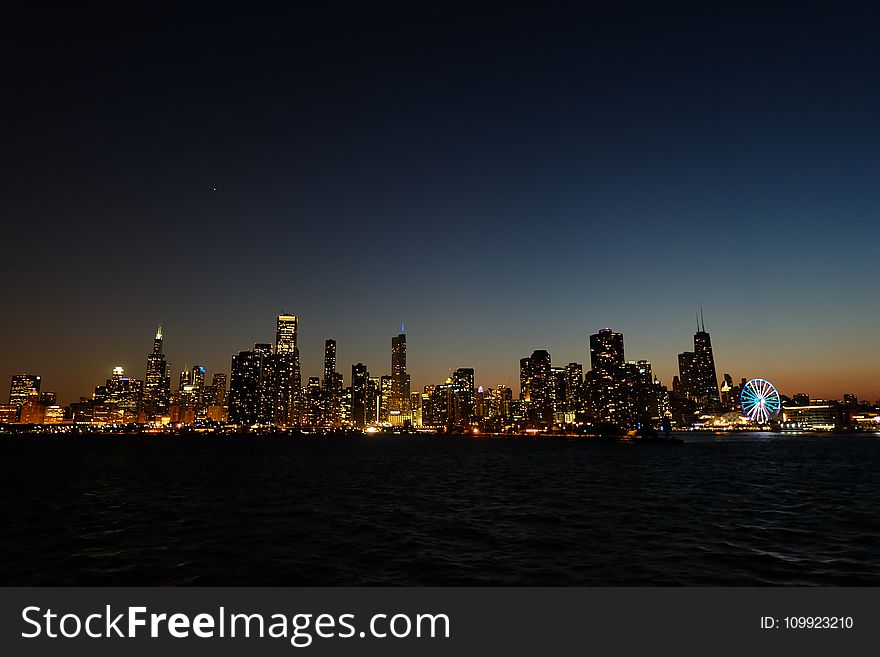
{"x":753,"y":509}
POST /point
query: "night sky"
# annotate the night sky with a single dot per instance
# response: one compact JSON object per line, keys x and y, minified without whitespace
{"x":500,"y":179}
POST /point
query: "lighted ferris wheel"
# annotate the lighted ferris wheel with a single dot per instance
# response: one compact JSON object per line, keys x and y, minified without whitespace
{"x":759,"y":401}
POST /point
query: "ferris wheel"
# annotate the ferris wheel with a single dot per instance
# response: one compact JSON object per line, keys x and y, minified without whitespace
{"x":759,"y":401}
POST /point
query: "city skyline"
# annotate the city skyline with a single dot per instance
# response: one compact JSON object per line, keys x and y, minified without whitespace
{"x":286,"y":340}
{"x":69,"y":388}
{"x":501,"y":178}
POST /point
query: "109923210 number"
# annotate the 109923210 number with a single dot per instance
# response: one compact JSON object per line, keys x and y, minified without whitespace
{"x":817,"y":622}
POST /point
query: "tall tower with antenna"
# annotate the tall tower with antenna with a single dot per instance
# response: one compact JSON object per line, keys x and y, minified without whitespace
{"x":157,"y":382}
{"x":705,"y":378}
{"x":697,"y":376}
{"x":398,"y":403}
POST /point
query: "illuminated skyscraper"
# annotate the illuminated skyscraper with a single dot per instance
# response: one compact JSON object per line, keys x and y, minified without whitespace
{"x":525,"y":377}
{"x":698,"y":378}
{"x":607,"y":378}
{"x":124,"y":394}
{"x":24,"y":388}
{"x":197,"y":376}
{"x":729,"y":401}
{"x":398,"y":401}
{"x":217,"y":395}
{"x":463,"y":397}
{"x":386,"y":398}
{"x":185,"y":378}
{"x":558,"y":384}
{"x":191,"y":397}
{"x":268,"y":384}
{"x":331,"y":387}
{"x":574,"y":390}
{"x":648,"y":400}
{"x":500,"y":398}
{"x":312,"y":403}
{"x":374,"y":400}
{"x":415,"y":408}
{"x":438,"y":405}
{"x":244,"y":387}
{"x":329,"y":361}
{"x":686,"y":374}
{"x":536,"y":388}
{"x":706,"y":379}
{"x":285,"y":381}
{"x":215,"y":398}
{"x":157,"y":382}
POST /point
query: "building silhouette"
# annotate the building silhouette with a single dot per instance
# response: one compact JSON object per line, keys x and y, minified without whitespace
{"x":698,"y":381}
{"x":157,"y":382}
{"x":397,"y":402}
{"x":360,"y":383}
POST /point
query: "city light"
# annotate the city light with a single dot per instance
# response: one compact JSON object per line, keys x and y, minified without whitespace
{"x":266,"y":391}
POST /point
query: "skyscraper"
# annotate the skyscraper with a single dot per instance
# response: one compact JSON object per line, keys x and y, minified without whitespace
{"x":706,"y":379}
{"x":386,"y":399}
{"x":197,"y":393}
{"x":218,"y":390}
{"x":607,"y":378}
{"x":312,"y":407}
{"x":698,"y":378}
{"x":329,"y":361}
{"x":398,"y":401}
{"x":525,"y":377}
{"x":574,"y":387}
{"x":536,"y":387}
{"x":286,"y":329}
{"x":648,"y":400}
{"x":157,"y":382}
{"x":359,"y":383}
{"x":24,"y":388}
{"x":331,"y":387}
{"x":244,"y":387}
{"x":463,"y":397}
{"x":124,"y":394}
{"x":215,"y":398}
{"x":285,"y":380}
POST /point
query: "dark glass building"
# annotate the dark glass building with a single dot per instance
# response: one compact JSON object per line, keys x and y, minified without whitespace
{"x":360,"y":380}
{"x":398,"y":398}
{"x":698,"y":380}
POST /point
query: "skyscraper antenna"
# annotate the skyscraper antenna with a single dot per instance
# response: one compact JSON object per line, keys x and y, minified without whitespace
{"x":702,"y":323}
{"x":402,"y":328}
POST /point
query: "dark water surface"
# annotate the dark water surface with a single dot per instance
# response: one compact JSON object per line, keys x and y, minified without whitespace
{"x":218,"y":510}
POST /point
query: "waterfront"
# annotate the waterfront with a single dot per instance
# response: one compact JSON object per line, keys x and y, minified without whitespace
{"x":737,"y":509}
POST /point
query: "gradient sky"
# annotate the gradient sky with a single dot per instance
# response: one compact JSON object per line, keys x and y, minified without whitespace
{"x":501,"y":179}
